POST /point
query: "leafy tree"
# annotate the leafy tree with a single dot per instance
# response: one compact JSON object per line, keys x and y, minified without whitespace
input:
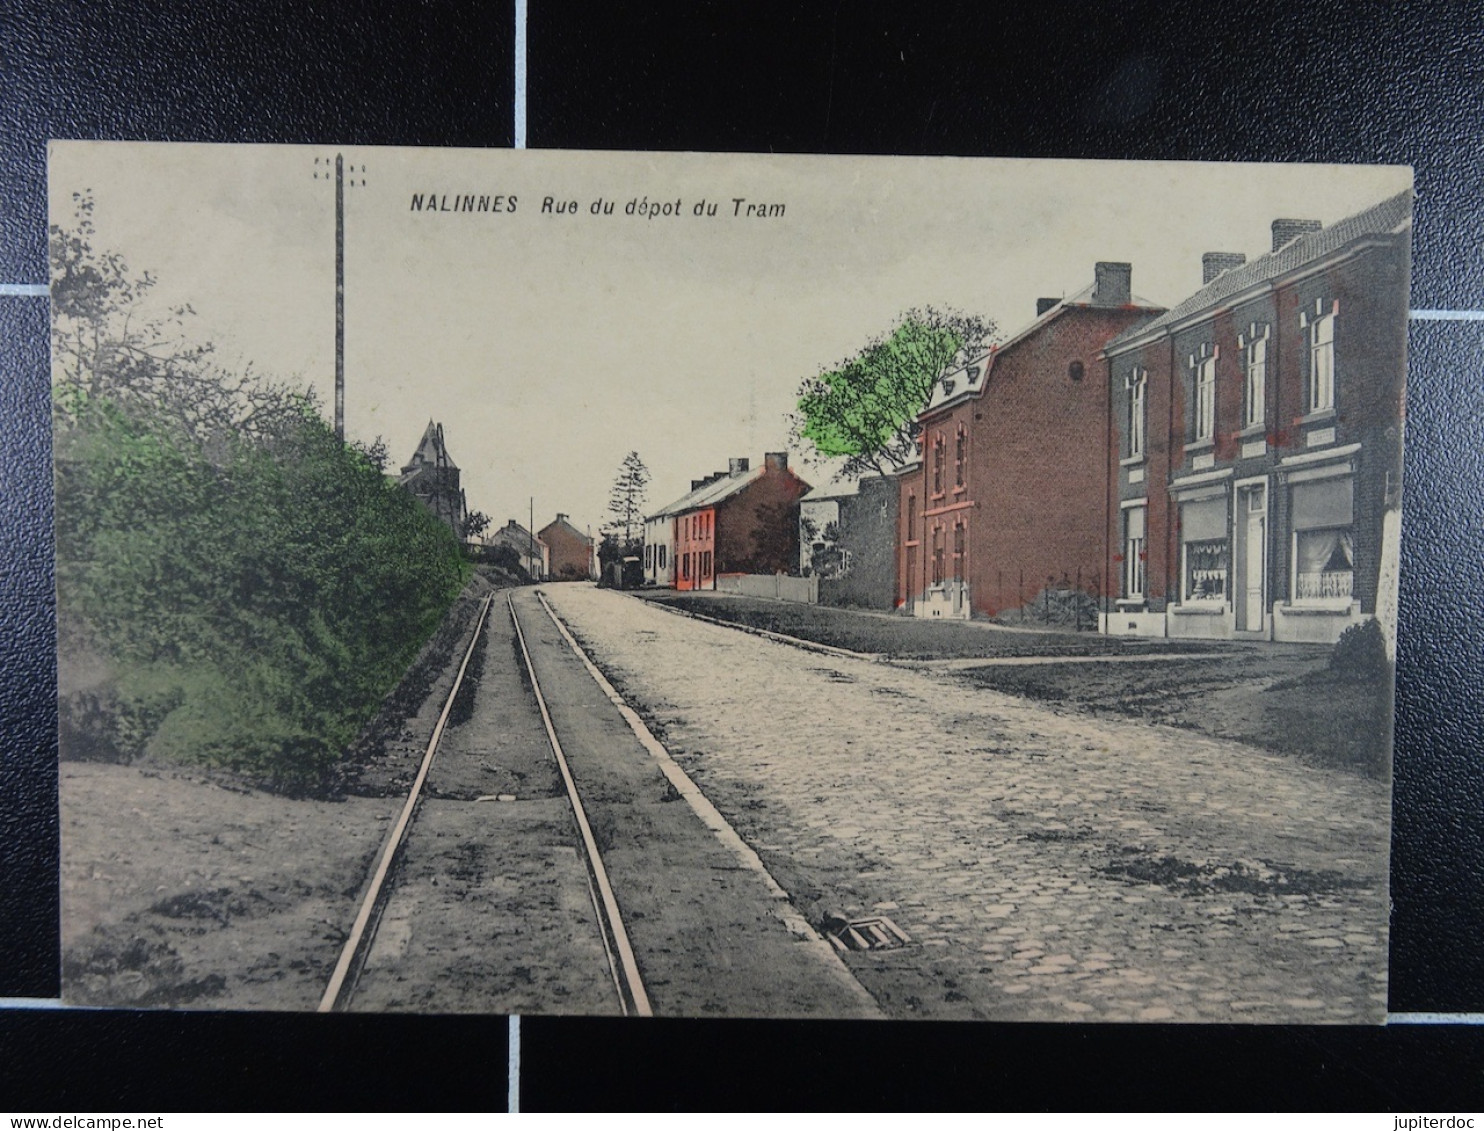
{"x":866,"y":408}
{"x":248,"y":586}
{"x":627,"y":498}
{"x":475,"y":524}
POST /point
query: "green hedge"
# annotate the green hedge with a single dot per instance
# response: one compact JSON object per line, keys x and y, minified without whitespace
{"x":252,"y":598}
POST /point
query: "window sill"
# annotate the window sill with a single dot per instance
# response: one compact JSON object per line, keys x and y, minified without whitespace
{"x":1316,"y":417}
{"x":1132,"y":604}
{"x":1199,"y":609}
{"x":1258,"y":429}
{"x":1132,"y":461}
{"x":1201,"y":445}
{"x":1317,"y":610}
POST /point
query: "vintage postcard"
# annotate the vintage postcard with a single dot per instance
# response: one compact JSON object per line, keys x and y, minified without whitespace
{"x":726,"y":585}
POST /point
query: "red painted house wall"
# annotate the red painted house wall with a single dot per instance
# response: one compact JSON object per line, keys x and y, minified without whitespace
{"x":695,"y":549}
{"x":1033,"y":507}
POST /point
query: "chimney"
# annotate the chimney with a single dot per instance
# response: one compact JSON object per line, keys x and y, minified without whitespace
{"x":561,"y":517}
{"x":737,"y":465}
{"x":1286,"y":231}
{"x":1215,"y":263}
{"x":1045,"y":304}
{"x":775,"y":461}
{"x":1112,"y":284}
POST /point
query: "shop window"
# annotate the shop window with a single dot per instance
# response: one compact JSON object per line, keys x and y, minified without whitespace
{"x":1134,"y":555}
{"x":1324,"y":541}
{"x":1206,"y":550}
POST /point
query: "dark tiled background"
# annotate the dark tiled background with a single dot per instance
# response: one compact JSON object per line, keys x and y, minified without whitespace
{"x":1324,"y":80}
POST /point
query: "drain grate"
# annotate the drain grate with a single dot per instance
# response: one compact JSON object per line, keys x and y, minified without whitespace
{"x":875,"y":933}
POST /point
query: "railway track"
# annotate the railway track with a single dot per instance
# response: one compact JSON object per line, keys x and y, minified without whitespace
{"x":628,"y":985}
{"x":526,"y":899}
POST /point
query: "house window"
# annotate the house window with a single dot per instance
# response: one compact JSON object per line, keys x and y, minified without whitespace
{"x":1134,"y":555}
{"x":1205,"y":395}
{"x":1324,"y":541}
{"x":1321,"y":384}
{"x":937,"y":555}
{"x":960,"y":457}
{"x":1075,"y":371}
{"x":662,"y":557}
{"x":911,"y":568}
{"x":938,"y":452}
{"x":1255,"y":362}
{"x":958,"y":551}
{"x":1205,"y":547}
{"x":705,"y":565}
{"x":1137,"y":384}
{"x":911,"y":518}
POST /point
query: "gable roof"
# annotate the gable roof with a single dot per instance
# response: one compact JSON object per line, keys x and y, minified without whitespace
{"x":1389,"y":217}
{"x":973,"y":377}
{"x":561,"y":523}
{"x":708,"y":494}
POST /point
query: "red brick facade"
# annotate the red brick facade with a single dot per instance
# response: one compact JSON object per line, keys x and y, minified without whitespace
{"x":570,"y":551}
{"x":741,"y":522}
{"x":1257,"y":435}
{"x":1006,"y":511}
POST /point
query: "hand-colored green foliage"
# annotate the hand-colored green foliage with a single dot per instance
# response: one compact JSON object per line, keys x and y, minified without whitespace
{"x":252,"y":585}
{"x":866,"y":407}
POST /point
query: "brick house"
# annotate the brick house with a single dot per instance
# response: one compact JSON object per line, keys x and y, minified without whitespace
{"x":739,"y":521}
{"x":847,"y":535}
{"x":569,"y":551}
{"x":433,"y":479}
{"x":1003,"y":513}
{"x":1255,"y":438}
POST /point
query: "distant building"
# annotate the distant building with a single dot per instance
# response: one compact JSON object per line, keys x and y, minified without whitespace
{"x":1256,"y":433}
{"x":433,"y":479}
{"x":569,"y":551}
{"x":530,"y":551}
{"x":847,"y":539}
{"x":1003,"y":514}
{"x":738,"y":521}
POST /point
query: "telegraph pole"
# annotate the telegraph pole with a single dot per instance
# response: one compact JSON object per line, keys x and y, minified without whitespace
{"x":341,"y":183}
{"x":340,"y":298}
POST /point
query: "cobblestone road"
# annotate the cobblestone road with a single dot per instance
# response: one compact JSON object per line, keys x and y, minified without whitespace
{"x":1047,"y":865}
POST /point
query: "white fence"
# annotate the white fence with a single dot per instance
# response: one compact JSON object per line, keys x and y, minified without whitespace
{"x":804,"y":590}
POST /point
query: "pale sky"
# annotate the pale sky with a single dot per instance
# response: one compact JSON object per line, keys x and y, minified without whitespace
{"x":551,"y":345}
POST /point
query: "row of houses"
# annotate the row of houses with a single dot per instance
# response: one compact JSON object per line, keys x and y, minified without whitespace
{"x":1229,"y":467}
{"x":739,"y":522}
{"x":558,"y":551}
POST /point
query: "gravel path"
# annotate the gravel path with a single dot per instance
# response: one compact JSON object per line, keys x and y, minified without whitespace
{"x":1047,"y":865}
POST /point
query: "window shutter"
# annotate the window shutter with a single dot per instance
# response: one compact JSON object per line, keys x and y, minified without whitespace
{"x":1329,"y":502}
{"x":1203,"y":521}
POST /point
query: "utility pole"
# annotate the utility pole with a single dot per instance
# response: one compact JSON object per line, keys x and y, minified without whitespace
{"x":340,"y":186}
{"x":340,"y":298}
